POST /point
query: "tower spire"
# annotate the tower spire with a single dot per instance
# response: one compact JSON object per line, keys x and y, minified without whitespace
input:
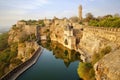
{"x":80,"y":12}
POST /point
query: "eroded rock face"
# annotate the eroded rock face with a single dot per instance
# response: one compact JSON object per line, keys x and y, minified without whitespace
{"x":95,"y":39}
{"x":26,"y":50}
{"x":26,"y":47}
{"x":108,"y":68}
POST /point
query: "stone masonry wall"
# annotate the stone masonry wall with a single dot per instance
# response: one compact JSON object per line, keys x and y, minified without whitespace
{"x":93,"y":39}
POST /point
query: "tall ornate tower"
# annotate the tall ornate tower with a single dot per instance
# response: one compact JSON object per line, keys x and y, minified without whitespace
{"x":80,"y":12}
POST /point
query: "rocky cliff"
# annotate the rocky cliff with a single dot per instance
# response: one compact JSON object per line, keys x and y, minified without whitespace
{"x":108,"y":68}
{"x":25,"y":36}
{"x":94,"y":39}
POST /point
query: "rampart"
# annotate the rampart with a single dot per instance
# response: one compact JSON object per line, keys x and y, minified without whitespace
{"x":111,"y":34}
{"x":12,"y":75}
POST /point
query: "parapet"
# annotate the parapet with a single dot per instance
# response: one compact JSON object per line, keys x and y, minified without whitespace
{"x":102,"y":29}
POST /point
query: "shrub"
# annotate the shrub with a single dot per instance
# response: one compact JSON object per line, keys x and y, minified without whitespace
{"x":3,"y":41}
{"x":14,"y":50}
{"x":31,"y":50}
{"x":4,"y":56}
{"x":93,"y":23}
{"x":85,"y":71}
{"x":106,"y":21}
{"x":66,"y":52}
{"x":99,"y":55}
{"x":41,"y":23}
{"x":105,"y":51}
{"x":14,"y":27}
{"x":26,"y":37}
{"x":32,"y":37}
{"x":89,"y":17}
{"x":15,"y":61}
{"x":95,"y":58}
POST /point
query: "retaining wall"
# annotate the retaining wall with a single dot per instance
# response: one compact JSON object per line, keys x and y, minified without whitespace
{"x":12,"y":75}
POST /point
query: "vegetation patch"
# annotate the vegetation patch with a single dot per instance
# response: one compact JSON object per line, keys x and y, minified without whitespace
{"x":85,"y":70}
{"x":8,"y":53}
{"x":97,"y":56}
{"x":105,"y":21}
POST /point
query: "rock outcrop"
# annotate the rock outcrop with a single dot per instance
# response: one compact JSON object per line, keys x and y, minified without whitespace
{"x":94,"y":39}
{"x":25,"y":36}
{"x":108,"y":68}
{"x":26,"y":50}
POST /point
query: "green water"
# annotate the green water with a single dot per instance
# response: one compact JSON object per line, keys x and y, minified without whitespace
{"x":55,"y":63}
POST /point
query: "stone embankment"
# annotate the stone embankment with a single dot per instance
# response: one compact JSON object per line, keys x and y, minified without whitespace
{"x":12,"y":75}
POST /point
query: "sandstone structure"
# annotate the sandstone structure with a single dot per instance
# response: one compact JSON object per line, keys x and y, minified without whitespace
{"x":80,"y":12}
{"x":84,"y":39}
{"x":25,"y":50}
{"x":88,"y":41}
{"x":108,"y":68}
{"x":19,"y":32}
{"x":63,"y":32}
{"x":95,"y":39}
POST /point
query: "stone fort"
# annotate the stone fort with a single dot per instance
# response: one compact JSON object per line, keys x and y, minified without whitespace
{"x":73,"y":35}
{"x":85,"y":39}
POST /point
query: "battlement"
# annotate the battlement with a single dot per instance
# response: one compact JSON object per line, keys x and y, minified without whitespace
{"x":111,"y":34}
{"x":102,"y":29}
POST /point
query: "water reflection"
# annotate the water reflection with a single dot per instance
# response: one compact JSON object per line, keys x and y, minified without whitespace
{"x":61,"y":52}
{"x":56,"y":63}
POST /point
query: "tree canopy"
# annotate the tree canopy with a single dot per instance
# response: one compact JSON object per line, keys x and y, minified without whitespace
{"x":103,"y":21}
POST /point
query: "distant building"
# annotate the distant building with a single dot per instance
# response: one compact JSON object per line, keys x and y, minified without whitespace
{"x":69,"y":39}
{"x":80,"y":12}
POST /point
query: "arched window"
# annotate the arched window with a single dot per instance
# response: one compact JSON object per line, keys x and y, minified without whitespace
{"x":66,"y":42}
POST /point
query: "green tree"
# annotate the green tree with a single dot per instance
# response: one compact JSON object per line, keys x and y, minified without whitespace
{"x":3,"y":41}
{"x":106,"y":21}
{"x":86,"y":71}
{"x":93,"y":23}
{"x":96,"y":57}
{"x":89,"y":17}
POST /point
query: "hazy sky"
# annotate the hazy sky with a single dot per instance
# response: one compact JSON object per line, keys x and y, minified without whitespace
{"x":13,"y":10}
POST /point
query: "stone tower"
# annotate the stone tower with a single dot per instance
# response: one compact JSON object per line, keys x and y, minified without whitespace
{"x":80,"y":12}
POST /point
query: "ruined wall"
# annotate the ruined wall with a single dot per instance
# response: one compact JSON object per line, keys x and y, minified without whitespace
{"x":111,"y":34}
{"x":20,"y":31}
{"x":27,"y":47}
{"x":57,"y":31}
{"x":62,"y":35}
{"x":30,"y":29}
{"x":94,"y":39}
